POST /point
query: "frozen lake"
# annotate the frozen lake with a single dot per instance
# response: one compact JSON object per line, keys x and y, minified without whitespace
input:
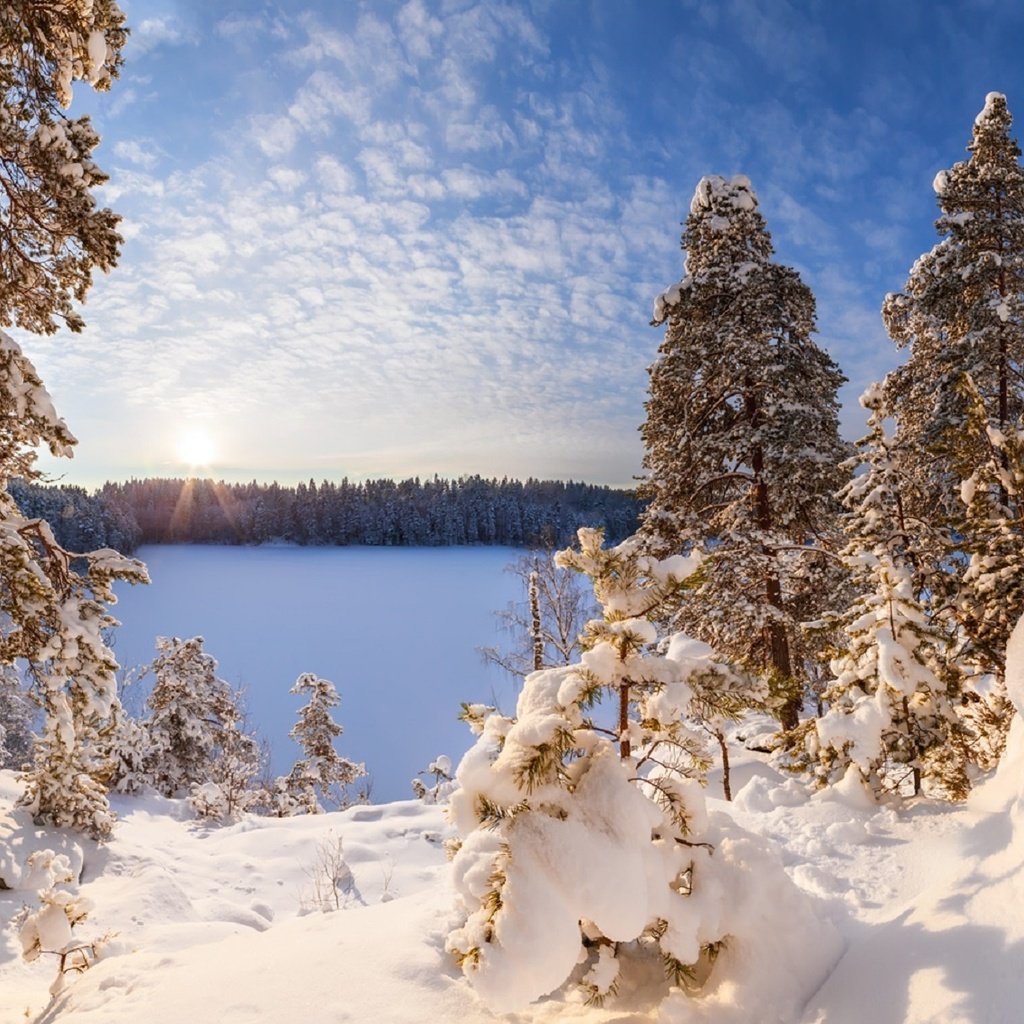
{"x":395,"y":629}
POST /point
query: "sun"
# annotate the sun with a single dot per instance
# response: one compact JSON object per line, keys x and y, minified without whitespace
{"x":196,"y":447}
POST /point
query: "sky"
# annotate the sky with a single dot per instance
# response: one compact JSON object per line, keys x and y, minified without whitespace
{"x":401,"y":239}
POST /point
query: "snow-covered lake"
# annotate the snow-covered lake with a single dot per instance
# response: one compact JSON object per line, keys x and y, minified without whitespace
{"x":395,"y":629}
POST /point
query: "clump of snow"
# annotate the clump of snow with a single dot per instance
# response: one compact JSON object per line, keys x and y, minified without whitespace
{"x":715,"y":192}
{"x":991,"y":99}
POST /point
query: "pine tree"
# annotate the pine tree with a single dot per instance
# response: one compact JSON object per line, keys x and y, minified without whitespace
{"x":552,"y":770}
{"x":962,"y":313}
{"x":53,"y":612}
{"x":54,"y":235}
{"x":197,"y":746}
{"x":742,"y":442}
{"x":321,"y":775}
{"x":585,"y":842}
{"x":895,"y":693}
{"x":53,"y":602}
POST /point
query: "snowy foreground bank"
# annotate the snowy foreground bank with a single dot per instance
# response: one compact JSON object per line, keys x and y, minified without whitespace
{"x":221,"y":924}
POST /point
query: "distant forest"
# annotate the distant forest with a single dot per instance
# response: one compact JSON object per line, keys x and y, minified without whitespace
{"x":413,"y":513}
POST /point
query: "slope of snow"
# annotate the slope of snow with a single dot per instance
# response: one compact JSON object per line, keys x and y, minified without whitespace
{"x":215,"y":924}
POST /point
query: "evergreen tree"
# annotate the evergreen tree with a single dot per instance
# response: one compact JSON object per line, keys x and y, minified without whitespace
{"x":321,"y":775}
{"x":895,"y":693}
{"x":53,"y":614}
{"x":197,"y":746}
{"x":54,"y":236}
{"x":962,"y":313}
{"x":585,"y":844}
{"x":52,"y":602}
{"x":742,"y":442}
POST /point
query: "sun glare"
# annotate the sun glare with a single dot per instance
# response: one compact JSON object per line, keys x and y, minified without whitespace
{"x":196,"y":448}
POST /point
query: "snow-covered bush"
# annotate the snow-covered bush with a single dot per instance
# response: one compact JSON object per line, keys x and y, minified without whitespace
{"x":321,"y":775}
{"x":585,"y":840}
{"x":48,"y":929}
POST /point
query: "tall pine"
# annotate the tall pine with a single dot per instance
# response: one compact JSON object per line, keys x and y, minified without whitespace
{"x":960,"y":392}
{"x":742,"y":442}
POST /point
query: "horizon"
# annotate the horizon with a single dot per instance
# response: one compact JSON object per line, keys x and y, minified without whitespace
{"x":389,"y":240}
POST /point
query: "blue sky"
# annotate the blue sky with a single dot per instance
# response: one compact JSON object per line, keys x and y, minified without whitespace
{"x":395,"y":239}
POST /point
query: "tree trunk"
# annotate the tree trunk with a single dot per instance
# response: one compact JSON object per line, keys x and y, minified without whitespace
{"x":777,"y":642}
{"x":726,"y":784}
{"x":536,"y":633}
{"x":624,"y":746}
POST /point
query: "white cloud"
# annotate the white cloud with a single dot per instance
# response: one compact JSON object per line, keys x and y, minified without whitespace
{"x":135,"y":152}
{"x":162,"y":30}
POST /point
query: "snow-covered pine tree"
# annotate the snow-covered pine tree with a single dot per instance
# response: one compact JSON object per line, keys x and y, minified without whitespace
{"x":991,"y":597}
{"x":584,"y":832}
{"x":321,"y":776}
{"x":196,"y":746}
{"x":54,"y":238}
{"x":742,"y":442}
{"x":962,"y":312}
{"x":894,"y":697}
{"x":53,"y":613}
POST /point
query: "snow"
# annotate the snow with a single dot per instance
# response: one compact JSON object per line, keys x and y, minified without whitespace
{"x":847,"y":909}
{"x":213,"y":923}
{"x":990,"y":101}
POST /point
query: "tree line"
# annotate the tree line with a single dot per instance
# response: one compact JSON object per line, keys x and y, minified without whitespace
{"x":410,"y":513}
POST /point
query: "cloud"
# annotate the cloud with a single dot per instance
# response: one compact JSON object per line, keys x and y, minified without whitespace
{"x":428,"y":235}
{"x":136,"y":153}
{"x":161,"y":30}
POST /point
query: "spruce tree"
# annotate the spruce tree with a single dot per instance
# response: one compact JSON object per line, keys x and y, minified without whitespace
{"x":961,"y":315}
{"x":742,"y":442}
{"x":196,"y":744}
{"x":894,"y":697}
{"x":321,"y":775}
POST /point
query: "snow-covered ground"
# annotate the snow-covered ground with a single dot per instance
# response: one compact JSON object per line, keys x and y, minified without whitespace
{"x":220,"y":924}
{"x":395,"y":629}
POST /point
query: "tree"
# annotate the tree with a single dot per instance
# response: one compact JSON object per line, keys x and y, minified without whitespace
{"x":321,"y":775}
{"x":584,"y":833}
{"x":196,"y":744}
{"x":546,"y":631}
{"x":742,"y":442}
{"x":962,"y":313}
{"x":53,"y":236}
{"x":894,"y":698}
{"x":53,"y":613}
